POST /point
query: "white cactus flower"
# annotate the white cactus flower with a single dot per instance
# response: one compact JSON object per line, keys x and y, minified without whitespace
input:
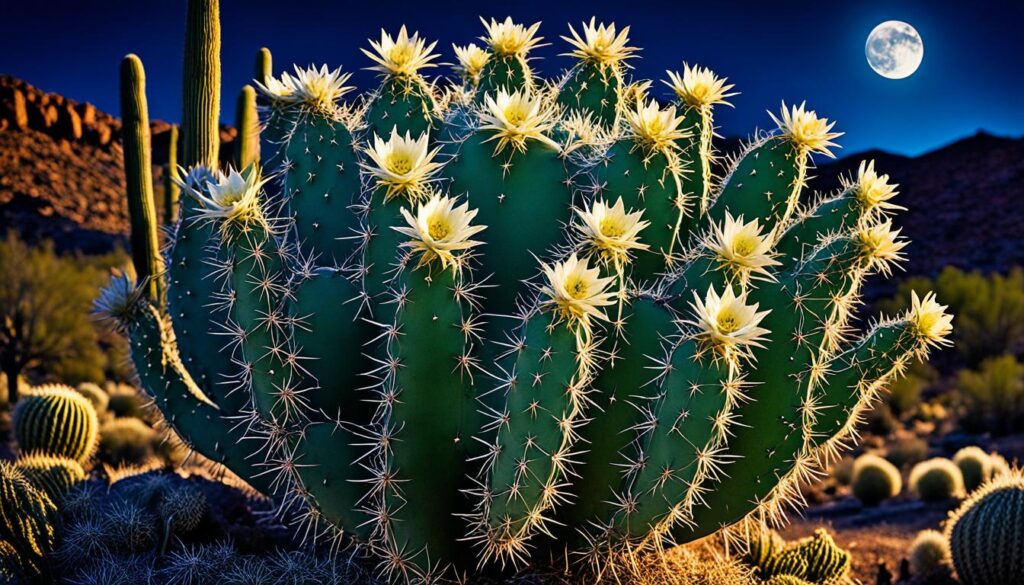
{"x":806,"y":129}
{"x":516,"y":118}
{"x":405,"y":166}
{"x":402,"y":55}
{"x":440,"y":229}
{"x":507,"y":38}
{"x":577,"y":290}
{"x":659,"y":128}
{"x":600,"y":43}
{"x":699,"y":86}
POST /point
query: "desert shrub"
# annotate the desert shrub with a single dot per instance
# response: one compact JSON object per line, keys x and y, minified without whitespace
{"x":989,"y":310}
{"x":906,"y":449}
{"x":904,"y":393}
{"x":47,"y":299}
{"x":126,"y":441}
{"x":880,"y":420}
{"x":929,"y":552}
{"x":94,"y":394}
{"x":125,"y":402}
{"x":937,"y":480}
{"x":993,"y":396}
{"x":875,"y":479}
{"x":975,"y":466}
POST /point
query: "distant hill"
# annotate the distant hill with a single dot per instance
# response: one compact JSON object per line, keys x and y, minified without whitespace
{"x":61,"y":174}
{"x":61,"y":178}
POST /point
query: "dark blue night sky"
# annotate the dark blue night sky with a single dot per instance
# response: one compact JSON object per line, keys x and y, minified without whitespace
{"x":972,"y":76}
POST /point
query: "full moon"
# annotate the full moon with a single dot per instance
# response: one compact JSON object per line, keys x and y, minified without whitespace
{"x":894,"y":49}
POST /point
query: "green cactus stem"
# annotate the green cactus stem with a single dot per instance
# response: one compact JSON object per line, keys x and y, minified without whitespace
{"x":200,"y":119}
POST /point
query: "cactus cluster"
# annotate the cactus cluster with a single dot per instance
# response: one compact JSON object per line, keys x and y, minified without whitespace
{"x":459,"y":323}
{"x":986,"y":531}
{"x":816,"y":559}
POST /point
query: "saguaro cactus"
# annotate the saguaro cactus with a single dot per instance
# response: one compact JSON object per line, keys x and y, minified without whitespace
{"x":461,"y":322}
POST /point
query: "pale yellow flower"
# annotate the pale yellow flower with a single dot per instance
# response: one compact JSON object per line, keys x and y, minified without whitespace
{"x":727,"y":322}
{"x":880,"y":243}
{"x":659,"y":128}
{"x":516,"y":118}
{"x":405,"y":166}
{"x":508,"y":39}
{"x":600,"y":43}
{"x":231,"y":196}
{"x":577,"y":290}
{"x":472,"y":60}
{"x":613,"y":231}
{"x":318,"y":88}
{"x":403,"y":55}
{"x":930,"y":319}
{"x":741,"y":246}
{"x":873,"y":190}
{"x":806,"y":129}
{"x":699,"y":86}
{"x":440,"y":229}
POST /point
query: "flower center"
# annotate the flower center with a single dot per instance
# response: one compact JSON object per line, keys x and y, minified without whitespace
{"x":399,"y":163}
{"x":728,"y":321}
{"x":612,"y":227}
{"x":438,"y":228}
{"x":576,"y":287}
{"x":230,"y":198}
{"x":400,"y":54}
{"x":744,"y":245}
{"x":515,"y":114}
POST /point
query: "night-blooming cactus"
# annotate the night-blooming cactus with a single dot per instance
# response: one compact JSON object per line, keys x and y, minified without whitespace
{"x":458,"y":323}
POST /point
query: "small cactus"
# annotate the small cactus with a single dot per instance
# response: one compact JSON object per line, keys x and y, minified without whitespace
{"x":986,"y":531}
{"x":786,"y":580}
{"x":27,"y":518}
{"x":182,"y":508}
{"x":132,"y":527}
{"x":976,"y":466}
{"x":937,"y":480}
{"x":56,"y":420}
{"x":787,"y":562}
{"x":875,"y":479}
{"x":826,"y":562}
{"x":762,"y":546}
{"x":54,"y":476}
{"x":929,"y":552}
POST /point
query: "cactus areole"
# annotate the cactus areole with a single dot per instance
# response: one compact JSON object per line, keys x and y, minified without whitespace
{"x":467,"y":324}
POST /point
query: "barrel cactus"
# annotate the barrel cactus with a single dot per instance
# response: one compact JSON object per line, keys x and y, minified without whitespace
{"x":937,"y":480}
{"x":929,"y":552}
{"x":985,"y":533}
{"x":976,"y":466}
{"x":54,"y":476}
{"x":27,"y":520}
{"x":56,"y":420}
{"x":453,"y":321}
{"x":875,"y":479}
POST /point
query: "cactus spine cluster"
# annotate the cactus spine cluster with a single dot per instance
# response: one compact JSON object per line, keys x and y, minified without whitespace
{"x":56,"y":420}
{"x":986,"y":531}
{"x":463,"y":320}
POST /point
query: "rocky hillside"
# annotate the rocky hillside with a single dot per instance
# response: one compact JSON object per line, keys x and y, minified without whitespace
{"x":61,"y":173}
{"x":61,"y":178}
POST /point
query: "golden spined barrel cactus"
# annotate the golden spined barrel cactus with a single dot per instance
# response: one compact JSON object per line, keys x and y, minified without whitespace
{"x":457,"y":320}
{"x":54,"y":476}
{"x":27,"y":520}
{"x":56,"y":420}
{"x":985,"y":533}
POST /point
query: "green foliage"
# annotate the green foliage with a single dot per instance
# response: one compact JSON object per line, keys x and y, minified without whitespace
{"x":44,"y":300}
{"x":993,"y":396}
{"x":875,"y":479}
{"x":27,"y":520}
{"x":937,"y":480}
{"x":986,"y":531}
{"x":54,"y":476}
{"x":904,"y":394}
{"x":125,"y":402}
{"x":976,"y":466}
{"x":56,"y":420}
{"x":929,"y":552}
{"x":989,"y":310}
